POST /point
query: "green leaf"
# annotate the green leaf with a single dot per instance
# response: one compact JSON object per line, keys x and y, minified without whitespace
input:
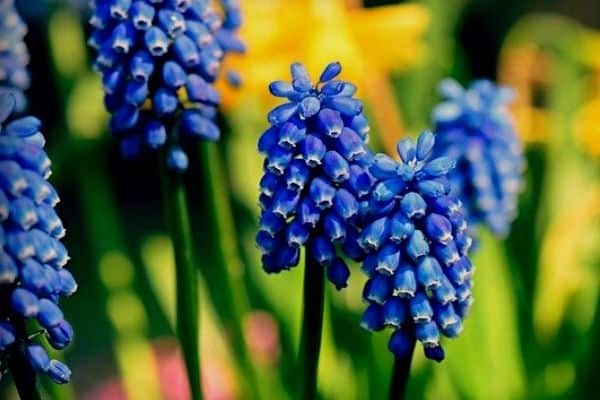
{"x":484,"y":361}
{"x":176,"y":212}
{"x":224,"y":275}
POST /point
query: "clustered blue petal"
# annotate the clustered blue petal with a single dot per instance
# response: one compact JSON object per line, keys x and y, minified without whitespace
{"x":14,"y":57}
{"x":416,"y":240}
{"x":474,"y":127}
{"x":159,"y":60}
{"x":314,"y":173}
{"x":32,"y":258}
{"x":228,"y":36}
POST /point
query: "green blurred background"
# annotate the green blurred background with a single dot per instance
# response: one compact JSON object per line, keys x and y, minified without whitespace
{"x":534,"y":330}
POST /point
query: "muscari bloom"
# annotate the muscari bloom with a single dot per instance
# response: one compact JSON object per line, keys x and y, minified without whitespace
{"x":474,"y":127}
{"x":32,"y":277}
{"x":158,"y":61}
{"x":416,"y":240}
{"x":314,"y":174}
{"x":14,"y":56}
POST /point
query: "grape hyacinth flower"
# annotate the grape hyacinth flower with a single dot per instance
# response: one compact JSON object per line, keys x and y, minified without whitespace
{"x":314,"y":173}
{"x":158,"y":61}
{"x":417,"y":244}
{"x":473,"y":126}
{"x":314,"y":179}
{"x":32,"y":258}
{"x":14,"y":57}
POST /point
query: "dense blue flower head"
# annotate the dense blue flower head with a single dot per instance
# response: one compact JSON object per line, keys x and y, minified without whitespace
{"x":32,"y":258}
{"x":14,"y":57}
{"x":314,"y":173}
{"x":474,"y":127}
{"x":159,"y":59}
{"x":415,"y":235}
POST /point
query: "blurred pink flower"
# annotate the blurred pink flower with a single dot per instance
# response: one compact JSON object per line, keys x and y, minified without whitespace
{"x":262,"y":336}
{"x":218,"y":382}
{"x":107,"y":390}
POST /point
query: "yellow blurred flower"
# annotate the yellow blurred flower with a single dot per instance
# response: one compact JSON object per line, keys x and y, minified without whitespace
{"x":590,"y":49}
{"x":279,"y":32}
{"x":587,"y":120}
{"x":587,"y":127}
{"x":564,"y":270}
{"x":525,"y":69}
{"x":369,"y":42}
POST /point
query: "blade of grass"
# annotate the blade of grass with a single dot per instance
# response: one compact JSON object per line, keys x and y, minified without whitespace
{"x":176,"y":213}
{"x":485,"y":359}
{"x":105,"y":238}
{"x":225,"y":275}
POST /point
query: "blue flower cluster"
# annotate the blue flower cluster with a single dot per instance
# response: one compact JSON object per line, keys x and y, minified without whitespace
{"x":159,"y":60}
{"x":417,"y":243}
{"x":474,"y":127}
{"x":32,"y":277}
{"x":14,"y":56}
{"x":228,"y":35}
{"x":314,"y":173}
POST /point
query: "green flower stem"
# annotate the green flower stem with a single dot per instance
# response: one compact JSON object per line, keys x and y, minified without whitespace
{"x":176,"y":212}
{"x":23,"y":376}
{"x":225,"y":273}
{"x":312,"y":326}
{"x":400,"y":374}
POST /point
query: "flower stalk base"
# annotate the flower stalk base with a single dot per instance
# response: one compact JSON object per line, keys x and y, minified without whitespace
{"x":23,"y":376}
{"x":400,"y":374}
{"x":312,"y":326}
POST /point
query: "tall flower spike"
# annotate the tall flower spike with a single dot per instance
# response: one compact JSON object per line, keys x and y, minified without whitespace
{"x":32,"y":258}
{"x":158,"y":61}
{"x":474,"y":127}
{"x":417,"y":245}
{"x":314,"y":172}
{"x":14,"y":56}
